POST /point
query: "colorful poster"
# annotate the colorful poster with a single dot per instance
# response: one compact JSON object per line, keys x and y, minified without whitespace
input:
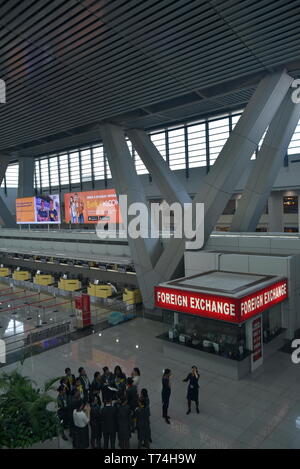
{"x":42,"y":209}
{"x":25,"y":211}
{"x":92,"y":207}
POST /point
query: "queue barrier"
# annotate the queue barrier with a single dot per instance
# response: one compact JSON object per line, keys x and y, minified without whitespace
{"x":54,"y":331}
{"x":18,"y":343}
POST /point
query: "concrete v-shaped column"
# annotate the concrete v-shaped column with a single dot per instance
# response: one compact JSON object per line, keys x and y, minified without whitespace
{"x":266,"y":166}
{"x":170,"y":187}
{"x":144,"y":251}
{"x":6,"y":217}
{"x":217,"y":187}
{"x":26,"y":176}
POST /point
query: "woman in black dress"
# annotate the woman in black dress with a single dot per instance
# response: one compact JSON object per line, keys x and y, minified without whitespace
{"x":165,"y":394}
{"x":193,"y":388}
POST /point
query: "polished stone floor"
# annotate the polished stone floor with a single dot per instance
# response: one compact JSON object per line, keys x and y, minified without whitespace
{"x":257,"y":412}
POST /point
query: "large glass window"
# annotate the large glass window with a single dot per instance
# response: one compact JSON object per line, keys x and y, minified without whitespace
{"x":11,"y":176}
{"x":54,"y":174}
{"x":74,"y":167}
{"x":294,"y":146}
{"x":64,"y":169}
{"x":197,"y":145}
{"x":44,"y":173}
{"x":98,"y":163}
{"x":86,"y":165}
{"x":176,"y":145}
{"x":218,"y":131}
{"x":177,"y":149}
{"x":37,"y":178}
{"x":159,"y":141}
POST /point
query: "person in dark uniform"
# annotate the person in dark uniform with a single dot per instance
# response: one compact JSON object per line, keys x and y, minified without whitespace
{"x":132,"y":399}
{"x":73,"y":402}
{"x":62,"y":409}
{"x":96,"y":386}
{"x":193,"y":388}
{"x":119,"y":379}
{"x":81,"y":417}
{"x":107,"y":381}
{"x":95,"y":422}
{"x":123,"y":421}
{"x":143,"y":424}
{"x":70,"y":381}
{"x":109,"y":424}
{"x":144,"y":395}
{"x":85,"y":383}
{"x":165,"y":394}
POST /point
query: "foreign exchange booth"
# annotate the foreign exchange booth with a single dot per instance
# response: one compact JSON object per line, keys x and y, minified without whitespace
{"x":222,"y":321}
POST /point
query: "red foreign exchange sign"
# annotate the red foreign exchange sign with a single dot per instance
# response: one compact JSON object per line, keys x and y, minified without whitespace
{"x":235,"y":310}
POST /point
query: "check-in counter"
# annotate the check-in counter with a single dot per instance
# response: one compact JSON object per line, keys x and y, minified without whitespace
{"x":69,"y":284}
{"x":132,"y":297}
{"x":4,"y":272}
{"x":100,"y":291}
{"x":43,"y":279}
{"x":21,"y":275}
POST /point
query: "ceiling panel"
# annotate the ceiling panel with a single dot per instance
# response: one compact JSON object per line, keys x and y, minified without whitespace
{"x":69,"y":64}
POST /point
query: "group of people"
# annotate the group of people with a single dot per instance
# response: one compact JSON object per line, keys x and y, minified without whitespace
{"x":123,"y":412}
{"x":111,"y":406}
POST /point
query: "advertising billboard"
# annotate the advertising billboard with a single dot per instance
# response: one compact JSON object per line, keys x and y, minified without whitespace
{"x":92,"y":207}
{"x":42,"y":209}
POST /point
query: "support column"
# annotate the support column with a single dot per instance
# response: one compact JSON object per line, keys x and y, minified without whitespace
{"x":275,"y":209}
{"x":217,"y":187}
{"x":6,"y":218}
{"x":26,"y":176}
{"x":170,"y":187}
{"x":145,"y":251}
{"x":266,"y":167}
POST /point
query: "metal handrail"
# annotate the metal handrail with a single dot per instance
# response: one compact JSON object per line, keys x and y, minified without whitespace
{"x":25,"y":346}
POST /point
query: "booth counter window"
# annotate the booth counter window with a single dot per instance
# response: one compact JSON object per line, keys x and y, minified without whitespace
{"x":209,"y":335}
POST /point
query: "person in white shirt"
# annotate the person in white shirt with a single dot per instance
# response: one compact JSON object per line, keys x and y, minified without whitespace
{"x":81,"y":418}
{"x":136,"y":376}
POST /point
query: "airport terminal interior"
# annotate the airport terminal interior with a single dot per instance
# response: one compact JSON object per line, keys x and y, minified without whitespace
{"x":150,"y":220}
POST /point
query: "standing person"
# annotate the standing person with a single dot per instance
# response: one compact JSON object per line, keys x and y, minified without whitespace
{"x":96,"y":385}
{"x":107,"y":381}
{"x":109,"y":424}
{"x":193,"y":388}
{"x":119,"y":379}
{"x":136,"y":374}
{"x":70,"y":381}
{"x":123,"y":423}
{"x":81,"y":417}
{"x":145,"y":397}
{"x":62,"y":409}
{"x":132,"y":399}
{"x":166,"y":393}
{"x":95,"y":422}
{"x":85,"y":383}
{"x":143,"y":424}
{"x":73,"y":402}
{"x":79,"y":388}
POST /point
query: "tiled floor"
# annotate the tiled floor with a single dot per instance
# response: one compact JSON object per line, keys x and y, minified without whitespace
{"x":21,"y":312}
{"x":257,"y":412}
